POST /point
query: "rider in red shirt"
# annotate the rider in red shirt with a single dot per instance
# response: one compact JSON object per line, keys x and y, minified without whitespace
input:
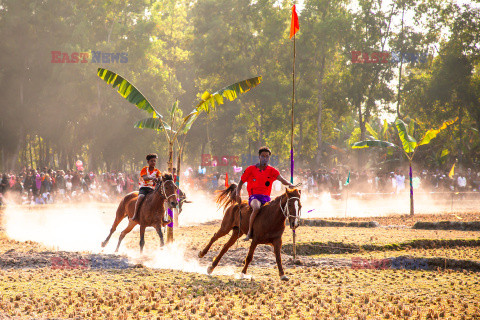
{"x":259,"y":179}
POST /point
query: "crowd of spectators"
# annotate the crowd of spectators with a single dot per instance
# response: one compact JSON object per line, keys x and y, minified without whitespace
{"x":395,"y":182}
{"x":43,"y":186}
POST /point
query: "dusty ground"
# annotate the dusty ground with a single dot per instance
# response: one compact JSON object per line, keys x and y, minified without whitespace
{"x":38,"y":282}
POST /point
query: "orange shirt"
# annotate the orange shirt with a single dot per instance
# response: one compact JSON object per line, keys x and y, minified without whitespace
{"x":149,"y":183}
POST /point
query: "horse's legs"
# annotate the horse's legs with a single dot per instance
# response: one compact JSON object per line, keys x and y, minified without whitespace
{"x":249,"y":257}
{"x":121,"y":213}
{"x":160,"y":233}
{"x":277,"y":247}
{"x":142,"y":237}
{"x":225,"y":248}
{"x":220,"y":233}
{"x":129,"y":228}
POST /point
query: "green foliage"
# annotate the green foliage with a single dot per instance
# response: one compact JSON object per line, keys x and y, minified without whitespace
{"x":55,"y":113}
{"x":127,"y":90}
{"x":152,"y":123}
{"x":408,"y":142}
{"x":231,"y":92}
{"x":372,"y":143}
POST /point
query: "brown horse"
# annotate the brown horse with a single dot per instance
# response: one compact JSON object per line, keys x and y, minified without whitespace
{"x":268,"y":226}
{"x":151,"y":212}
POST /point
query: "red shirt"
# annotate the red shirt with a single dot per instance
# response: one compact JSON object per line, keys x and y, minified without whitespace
{"x":259,"y":181}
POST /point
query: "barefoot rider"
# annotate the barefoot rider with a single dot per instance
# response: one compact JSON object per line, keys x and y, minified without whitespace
{"x":259,"y":179}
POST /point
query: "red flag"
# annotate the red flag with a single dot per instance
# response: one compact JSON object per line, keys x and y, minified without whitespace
{"x":294,"y":26}
{"x":226,"y":180}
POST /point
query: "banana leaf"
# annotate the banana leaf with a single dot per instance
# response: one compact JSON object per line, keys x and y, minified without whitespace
{"x":190,"y":119}
{"x":371,"y":131}
{"x":372,"y":143}
{"x":432,"y":133}
{"x":152,"y":123}
{"x":127,"y":90}
{"x":231,"y":92}
{"x":408,"y":142}
{"x":208,"y":101}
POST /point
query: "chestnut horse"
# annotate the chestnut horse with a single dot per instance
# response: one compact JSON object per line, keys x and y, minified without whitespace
{"x":151,"y":212}
{"x":268,"y":226}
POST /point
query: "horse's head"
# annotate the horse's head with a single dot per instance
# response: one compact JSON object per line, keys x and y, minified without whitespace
{"x":292,"y":207}
{"x":168,"y":189}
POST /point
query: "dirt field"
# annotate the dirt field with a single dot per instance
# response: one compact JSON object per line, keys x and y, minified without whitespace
{"x":41,"y":282}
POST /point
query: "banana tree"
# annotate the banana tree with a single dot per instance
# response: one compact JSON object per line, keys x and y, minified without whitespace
{"x":409,"y":145}
{"x":207,"y":103}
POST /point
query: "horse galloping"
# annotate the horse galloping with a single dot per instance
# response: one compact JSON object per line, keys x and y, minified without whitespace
{"x":151,"y":212}
{"x":268,"y":226}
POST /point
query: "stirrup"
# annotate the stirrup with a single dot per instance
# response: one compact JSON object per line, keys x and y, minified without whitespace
{"x":247,"y":238}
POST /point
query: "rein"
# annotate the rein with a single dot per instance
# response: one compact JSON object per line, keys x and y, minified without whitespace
{"x":286,"y":214}
{"x":286,"y":209}
{"x":162,"y":189}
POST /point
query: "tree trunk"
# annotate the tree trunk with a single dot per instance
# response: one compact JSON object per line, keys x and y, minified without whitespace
{"x":30,"y":151}
{"x":320,"y":110}
{"x":411,"y":189}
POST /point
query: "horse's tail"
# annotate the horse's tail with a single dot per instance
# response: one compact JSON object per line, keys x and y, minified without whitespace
{"x":226,"y":196}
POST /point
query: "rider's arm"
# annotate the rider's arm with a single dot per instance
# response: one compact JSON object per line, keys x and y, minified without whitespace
{"x":285,"y":182}
{"x":239,"y":190}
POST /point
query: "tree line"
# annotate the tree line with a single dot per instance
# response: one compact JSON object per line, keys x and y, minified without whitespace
{"x":55,"y":110}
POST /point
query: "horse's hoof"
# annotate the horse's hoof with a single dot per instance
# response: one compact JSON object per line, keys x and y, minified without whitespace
{"x":210,"y":269}
{"x":284,"y":278}
{"x":162,"y":244}
{"x":104,"y":244}
{"x":201,"y":255}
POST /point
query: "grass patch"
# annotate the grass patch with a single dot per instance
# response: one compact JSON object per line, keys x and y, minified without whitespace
{"x":315,"y":248}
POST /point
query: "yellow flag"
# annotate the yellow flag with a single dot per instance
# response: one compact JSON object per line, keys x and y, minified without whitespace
{"x":452,"y":172}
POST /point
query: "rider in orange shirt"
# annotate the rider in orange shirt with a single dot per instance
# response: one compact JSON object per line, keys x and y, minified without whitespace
{"x":149,"y":178}
{"x":259,"y":179}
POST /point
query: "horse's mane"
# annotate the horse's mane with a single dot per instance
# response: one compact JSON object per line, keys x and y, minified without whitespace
{"x":279,"y":198}
{"x":226,"y":197}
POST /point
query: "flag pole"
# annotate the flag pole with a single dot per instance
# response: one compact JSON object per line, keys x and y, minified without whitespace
{"x":293,"y":101}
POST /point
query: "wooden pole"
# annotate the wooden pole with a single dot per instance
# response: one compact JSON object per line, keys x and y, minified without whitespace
{"x":169,"y":211}
{"x":411,"y":190}
{"x":293,"y":101}
{"x":294,"y":246}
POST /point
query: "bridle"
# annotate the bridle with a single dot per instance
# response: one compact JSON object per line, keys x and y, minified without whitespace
{"x":163,"y":192}
{"x":286,"y":209}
